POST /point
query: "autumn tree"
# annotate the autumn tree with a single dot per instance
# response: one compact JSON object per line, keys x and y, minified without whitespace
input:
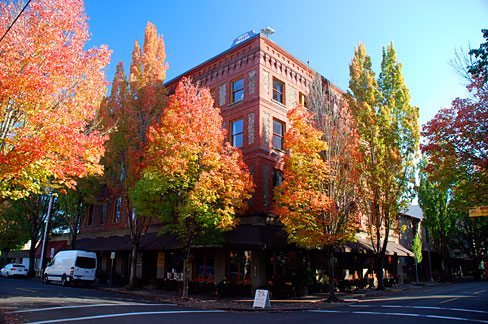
{"x":479,"y":66}
{"x":191,"y":180}
{"x":50,"y":92}
{"x":389,"y":134}
{"x":132,"y":107}
{"x":317,"y":198}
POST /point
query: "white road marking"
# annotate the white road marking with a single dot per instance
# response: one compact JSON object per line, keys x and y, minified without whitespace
{"x":82,"y":306}
{"x":425,"y":307}
{"x":403,"y":314}
{"x":124,"y":314}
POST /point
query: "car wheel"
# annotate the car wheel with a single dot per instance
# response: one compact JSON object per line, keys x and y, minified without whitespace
{"x":64,"y":282}
{"x":45,"y":279}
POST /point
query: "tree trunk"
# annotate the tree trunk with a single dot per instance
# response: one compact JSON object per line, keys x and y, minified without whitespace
{"x":186,"y":271}
{"x":4,"y":254}
{"x":32,"y":258}
{"x":133,"y":266}
{"x":381,"y":261}
{"x":332,"y":297}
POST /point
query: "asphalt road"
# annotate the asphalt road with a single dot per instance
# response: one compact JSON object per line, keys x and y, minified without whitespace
{"x":27,"y":301}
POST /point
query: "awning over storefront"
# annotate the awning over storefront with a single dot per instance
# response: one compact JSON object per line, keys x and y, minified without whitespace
{"x":56,"y":245}
{"x":257,"y":236}
{"x":364,"y":246}
{"x":123,"y":243}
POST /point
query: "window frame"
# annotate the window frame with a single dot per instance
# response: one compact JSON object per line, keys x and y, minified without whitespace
{"x":234,"y":135}
{"x":233,"y":91}
{"x":117,"y":215}
{"x":103,"y":214}
{"x":280,"y":136}
{"x":280,"y":93}
{"x":303,"y":99}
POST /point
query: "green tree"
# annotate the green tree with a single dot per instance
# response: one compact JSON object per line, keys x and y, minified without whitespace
{"x":439,"y":219}
{"x":193,"y":181}
{"x":13,"y":230}
{"x":74,"y":205}
{"x":389,"y":135}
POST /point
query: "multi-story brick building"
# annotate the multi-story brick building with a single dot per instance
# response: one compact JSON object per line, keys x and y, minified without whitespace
{"x":254,"y":83}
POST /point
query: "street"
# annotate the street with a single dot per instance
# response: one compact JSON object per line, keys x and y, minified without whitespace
{"x":29,"y":301}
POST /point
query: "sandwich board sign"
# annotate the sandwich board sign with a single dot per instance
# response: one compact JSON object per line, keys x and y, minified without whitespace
{"x":261,"y":299}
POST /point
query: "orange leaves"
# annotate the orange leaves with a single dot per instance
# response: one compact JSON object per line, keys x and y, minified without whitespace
{"x":186,"y":158}
{"x":51,"y":89}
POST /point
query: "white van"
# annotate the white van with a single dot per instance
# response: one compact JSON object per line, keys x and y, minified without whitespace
{"x":72,"y":266}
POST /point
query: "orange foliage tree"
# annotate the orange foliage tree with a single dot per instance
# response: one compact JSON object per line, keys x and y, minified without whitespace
{"x":191,"y":180}
{"x":133,"y":106}
{"x":49,"y":95}
{"x":316,"y":200}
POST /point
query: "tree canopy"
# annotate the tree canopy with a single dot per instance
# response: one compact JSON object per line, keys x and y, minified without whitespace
{"x":50,"y":93}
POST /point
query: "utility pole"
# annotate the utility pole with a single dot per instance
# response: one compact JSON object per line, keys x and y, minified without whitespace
{"x":46,"y":229}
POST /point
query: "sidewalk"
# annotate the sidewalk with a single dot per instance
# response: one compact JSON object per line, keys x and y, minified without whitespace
{"x":316,"y":301}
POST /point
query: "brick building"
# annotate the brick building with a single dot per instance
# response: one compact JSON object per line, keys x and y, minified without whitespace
{"x":255,"y":83}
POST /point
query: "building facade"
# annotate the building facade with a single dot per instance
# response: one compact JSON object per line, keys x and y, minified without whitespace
{"x":254,"y":83}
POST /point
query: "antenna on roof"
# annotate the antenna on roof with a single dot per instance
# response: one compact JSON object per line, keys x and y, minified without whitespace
{"x":267,"y":31}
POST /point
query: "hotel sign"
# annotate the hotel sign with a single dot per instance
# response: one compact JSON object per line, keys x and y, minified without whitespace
{"x":244,"y":37}
{"x":478,"y":211}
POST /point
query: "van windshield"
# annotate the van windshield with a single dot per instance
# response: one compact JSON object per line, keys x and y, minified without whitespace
{"x":86,"y":263}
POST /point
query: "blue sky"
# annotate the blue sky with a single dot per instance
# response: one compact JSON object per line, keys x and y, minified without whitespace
{"x":425,"y":34}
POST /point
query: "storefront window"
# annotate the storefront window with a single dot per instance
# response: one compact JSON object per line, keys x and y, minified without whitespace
{"x":239,"y":266}
{"x":203,"y":267}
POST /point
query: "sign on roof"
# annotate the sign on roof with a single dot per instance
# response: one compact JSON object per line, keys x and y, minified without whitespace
{"x":478,"y":211}
{"x":244,"y":37}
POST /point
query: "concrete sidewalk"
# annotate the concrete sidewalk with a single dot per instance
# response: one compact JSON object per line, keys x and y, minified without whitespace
{"x":316,"y":301}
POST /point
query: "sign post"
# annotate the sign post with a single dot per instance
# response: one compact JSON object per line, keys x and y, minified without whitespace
{"x":261,"y":299}
{"x":112,"y":257}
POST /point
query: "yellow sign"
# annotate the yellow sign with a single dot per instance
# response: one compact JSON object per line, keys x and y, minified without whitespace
{"x":478,"y":211}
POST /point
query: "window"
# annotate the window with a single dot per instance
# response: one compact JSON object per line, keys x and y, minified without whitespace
{"x":278,"y":131}
{"x":277,"y":178}
{"x":278,"y":91}
{"x":89,"y":220}
{"x":237,"y":131}
{"x":118,"y":205}
{"x":212,"y":94}
{"x":239,"y":266}
{"x":238,"y":89}
{"x":203,"y":267}
{"x":103,"y":213}
{"x":303,"y":100}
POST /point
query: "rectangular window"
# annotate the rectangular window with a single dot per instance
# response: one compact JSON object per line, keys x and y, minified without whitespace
{"x":89,"y":219}
{"x":103,"y":213}
{"x":212,"y":94}
{"x":239,"y":266}
{"x":117,"y":210}
{"x":277,"y":178}
{"x":237,"y":131}
{"x":278,"y":133}
{"x":238,"y":89}
{"x":303,"y":100}
{"x":278,"y":91}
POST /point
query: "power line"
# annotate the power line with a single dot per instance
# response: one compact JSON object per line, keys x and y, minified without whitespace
{"x":15,"y":20}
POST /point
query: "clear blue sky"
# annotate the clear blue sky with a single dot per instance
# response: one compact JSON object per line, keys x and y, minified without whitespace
{"x":425,"y":34}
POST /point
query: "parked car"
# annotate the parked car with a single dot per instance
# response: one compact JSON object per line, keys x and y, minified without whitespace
{"x":73,"y":266}
{"x":14,"y":269}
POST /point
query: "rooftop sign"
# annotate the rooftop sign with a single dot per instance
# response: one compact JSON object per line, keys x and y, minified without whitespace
{"x":244,"y":37}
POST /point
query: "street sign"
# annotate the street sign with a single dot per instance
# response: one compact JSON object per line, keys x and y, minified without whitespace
{"x":112,"y":255}
{"x":261,"y":299}
{"x":478,"y":211}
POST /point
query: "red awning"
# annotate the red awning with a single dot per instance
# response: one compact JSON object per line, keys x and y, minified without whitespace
{"x":56,"y":245}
